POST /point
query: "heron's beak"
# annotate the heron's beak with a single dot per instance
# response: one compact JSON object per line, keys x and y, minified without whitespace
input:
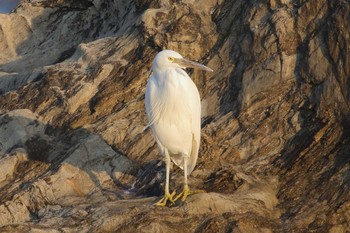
{"x":187,"y":63}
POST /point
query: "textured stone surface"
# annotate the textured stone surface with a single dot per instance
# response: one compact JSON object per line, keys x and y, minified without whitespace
{"x":274,"y":154}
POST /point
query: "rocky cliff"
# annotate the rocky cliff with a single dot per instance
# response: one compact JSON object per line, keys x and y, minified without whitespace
{"x":275,"y":149}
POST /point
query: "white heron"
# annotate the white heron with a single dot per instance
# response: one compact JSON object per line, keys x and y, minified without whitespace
{"x":174,"y":113}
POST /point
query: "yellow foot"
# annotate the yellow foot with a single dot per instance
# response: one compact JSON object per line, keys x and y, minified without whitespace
{"x":167,"y":197}
{"x":186,"y":192}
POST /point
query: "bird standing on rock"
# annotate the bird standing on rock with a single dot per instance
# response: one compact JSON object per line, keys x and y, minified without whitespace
{"x":174,"y":113}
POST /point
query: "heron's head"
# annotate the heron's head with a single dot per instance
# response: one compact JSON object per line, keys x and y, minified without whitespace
{"x":171,"y":59}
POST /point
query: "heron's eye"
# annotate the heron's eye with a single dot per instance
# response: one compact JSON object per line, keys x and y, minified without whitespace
{"x":171,"y":59}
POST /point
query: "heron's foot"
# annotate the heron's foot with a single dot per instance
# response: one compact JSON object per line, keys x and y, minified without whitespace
{"x":167,"y":198}
{"x":186,"y":192}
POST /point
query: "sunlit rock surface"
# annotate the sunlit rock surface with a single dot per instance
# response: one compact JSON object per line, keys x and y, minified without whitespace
{"x":274,"y":154}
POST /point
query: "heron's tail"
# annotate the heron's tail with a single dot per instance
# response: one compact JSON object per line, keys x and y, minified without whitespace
{"x":178,"y":159}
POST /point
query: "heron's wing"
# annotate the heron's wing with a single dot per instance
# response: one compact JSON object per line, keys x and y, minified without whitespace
{"x":158,"y":98}
{"x":195,"y":106}
{"x":192,"y":100}
{"x":152,"y":103}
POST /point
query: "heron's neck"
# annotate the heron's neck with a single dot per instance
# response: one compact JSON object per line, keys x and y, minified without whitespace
{"x":169,"y":75}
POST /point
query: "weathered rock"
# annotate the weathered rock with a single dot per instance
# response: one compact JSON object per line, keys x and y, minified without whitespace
{"x":275,"y":131}
{"x":9,"y":166}
{"x":40,"y":169}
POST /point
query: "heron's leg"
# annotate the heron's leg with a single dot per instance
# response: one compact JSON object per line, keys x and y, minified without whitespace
{"x":167,"y":196}
{"x":167,"y":168}
{"x":186,"y":191}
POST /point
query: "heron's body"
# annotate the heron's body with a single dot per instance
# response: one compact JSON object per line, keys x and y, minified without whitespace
{"x":174,"y":112}
{"x":176,"y":122}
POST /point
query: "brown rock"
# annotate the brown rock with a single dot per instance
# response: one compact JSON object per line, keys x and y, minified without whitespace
{"x":274,"y":150}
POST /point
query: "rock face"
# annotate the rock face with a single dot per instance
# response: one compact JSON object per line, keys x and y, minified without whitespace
{"x":274,"y":154}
